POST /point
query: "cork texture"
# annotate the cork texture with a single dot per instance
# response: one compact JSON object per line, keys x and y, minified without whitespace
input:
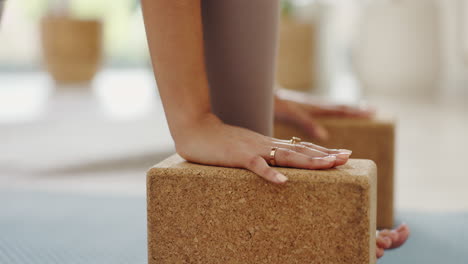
{"x":368,"y":139}
{"x":207,"y":214}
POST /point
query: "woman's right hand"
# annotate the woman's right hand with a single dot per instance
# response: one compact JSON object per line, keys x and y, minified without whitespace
{"x":209,"y":141}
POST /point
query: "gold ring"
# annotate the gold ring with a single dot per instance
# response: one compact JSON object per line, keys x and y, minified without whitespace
{"x":272,"y":156}
{"x":295,"y":140}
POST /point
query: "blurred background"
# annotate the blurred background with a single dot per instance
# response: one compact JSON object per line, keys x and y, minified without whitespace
{"x":81,"y":120}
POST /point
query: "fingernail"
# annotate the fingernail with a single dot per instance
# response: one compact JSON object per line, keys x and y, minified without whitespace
{"x":347,"y":151}
{"x":342,"y":156}
{"x":343,"y":151}
{"x":329,"y":158}
{"x":281,"y":178}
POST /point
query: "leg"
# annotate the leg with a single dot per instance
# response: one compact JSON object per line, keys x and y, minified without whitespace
{"x":240,"y":51}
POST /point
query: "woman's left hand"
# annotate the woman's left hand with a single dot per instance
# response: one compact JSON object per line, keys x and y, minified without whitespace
{"x":300,"y":109}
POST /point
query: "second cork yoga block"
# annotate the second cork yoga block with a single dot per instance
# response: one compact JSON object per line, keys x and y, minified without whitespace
{"x":205,"y":214}
{"x":368,"y":139}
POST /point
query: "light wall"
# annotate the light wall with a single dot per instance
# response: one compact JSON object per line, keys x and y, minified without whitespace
{"x":414,"y":47}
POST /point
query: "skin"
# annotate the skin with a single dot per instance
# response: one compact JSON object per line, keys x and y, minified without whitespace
{"x":178,"y":62}
{"x":391,"y":239}
{"x":301,"y":110}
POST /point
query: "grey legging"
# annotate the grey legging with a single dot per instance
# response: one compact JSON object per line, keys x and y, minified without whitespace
{"x":240,"y":49}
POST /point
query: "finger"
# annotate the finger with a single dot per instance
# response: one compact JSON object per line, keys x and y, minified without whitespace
{"x":341,"y":158}
{"x":342,"y":155}
{"x":259,"y":166}
{"x":327,"y":110}
{"x":326,"y":150}
{"x":313,"y":150}
{"x":361,"y":111}
{"x":304,"y":119}
{"x":289,"y":158}
{"x":301,"y":149}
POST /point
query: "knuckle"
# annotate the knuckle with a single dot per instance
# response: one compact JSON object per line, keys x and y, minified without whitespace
{"x":287,"y":157}
{"x":256,"y":164}
{"x":313,"y":163}
{"x":253,"y":162}
{"x":300,"y":148}
{"x":286,"y":154}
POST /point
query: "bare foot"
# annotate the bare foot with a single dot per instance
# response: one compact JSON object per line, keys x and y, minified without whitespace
{"x":390,"y":239}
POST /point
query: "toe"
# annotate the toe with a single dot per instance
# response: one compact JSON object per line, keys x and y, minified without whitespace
{"x":380,"y":252}
{"x":403,"y":234}
{"x":402,"y":228}
{"x":384,"y":242}
{"x":392,"y":234}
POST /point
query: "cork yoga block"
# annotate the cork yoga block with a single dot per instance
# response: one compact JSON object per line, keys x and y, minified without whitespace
{"x":368,"y":139}
{"x":206,"y":214}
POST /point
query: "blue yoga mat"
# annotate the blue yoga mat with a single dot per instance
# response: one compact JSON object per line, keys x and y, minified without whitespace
{"x":67,"y":228}
{"x":436,"y":238}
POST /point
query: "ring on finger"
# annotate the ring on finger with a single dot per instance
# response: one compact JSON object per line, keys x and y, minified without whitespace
{"x":295,"y":140}
{"x":272,"y":156}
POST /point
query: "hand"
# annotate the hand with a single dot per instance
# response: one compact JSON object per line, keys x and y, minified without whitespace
{"x":210,"y":141}
{"x":299,"y":109}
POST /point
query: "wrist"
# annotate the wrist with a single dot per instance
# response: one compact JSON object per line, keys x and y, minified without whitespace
{"x":185,"y":127}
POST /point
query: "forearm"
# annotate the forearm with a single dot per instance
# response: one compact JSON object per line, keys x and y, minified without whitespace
{"x":175,"y":39}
